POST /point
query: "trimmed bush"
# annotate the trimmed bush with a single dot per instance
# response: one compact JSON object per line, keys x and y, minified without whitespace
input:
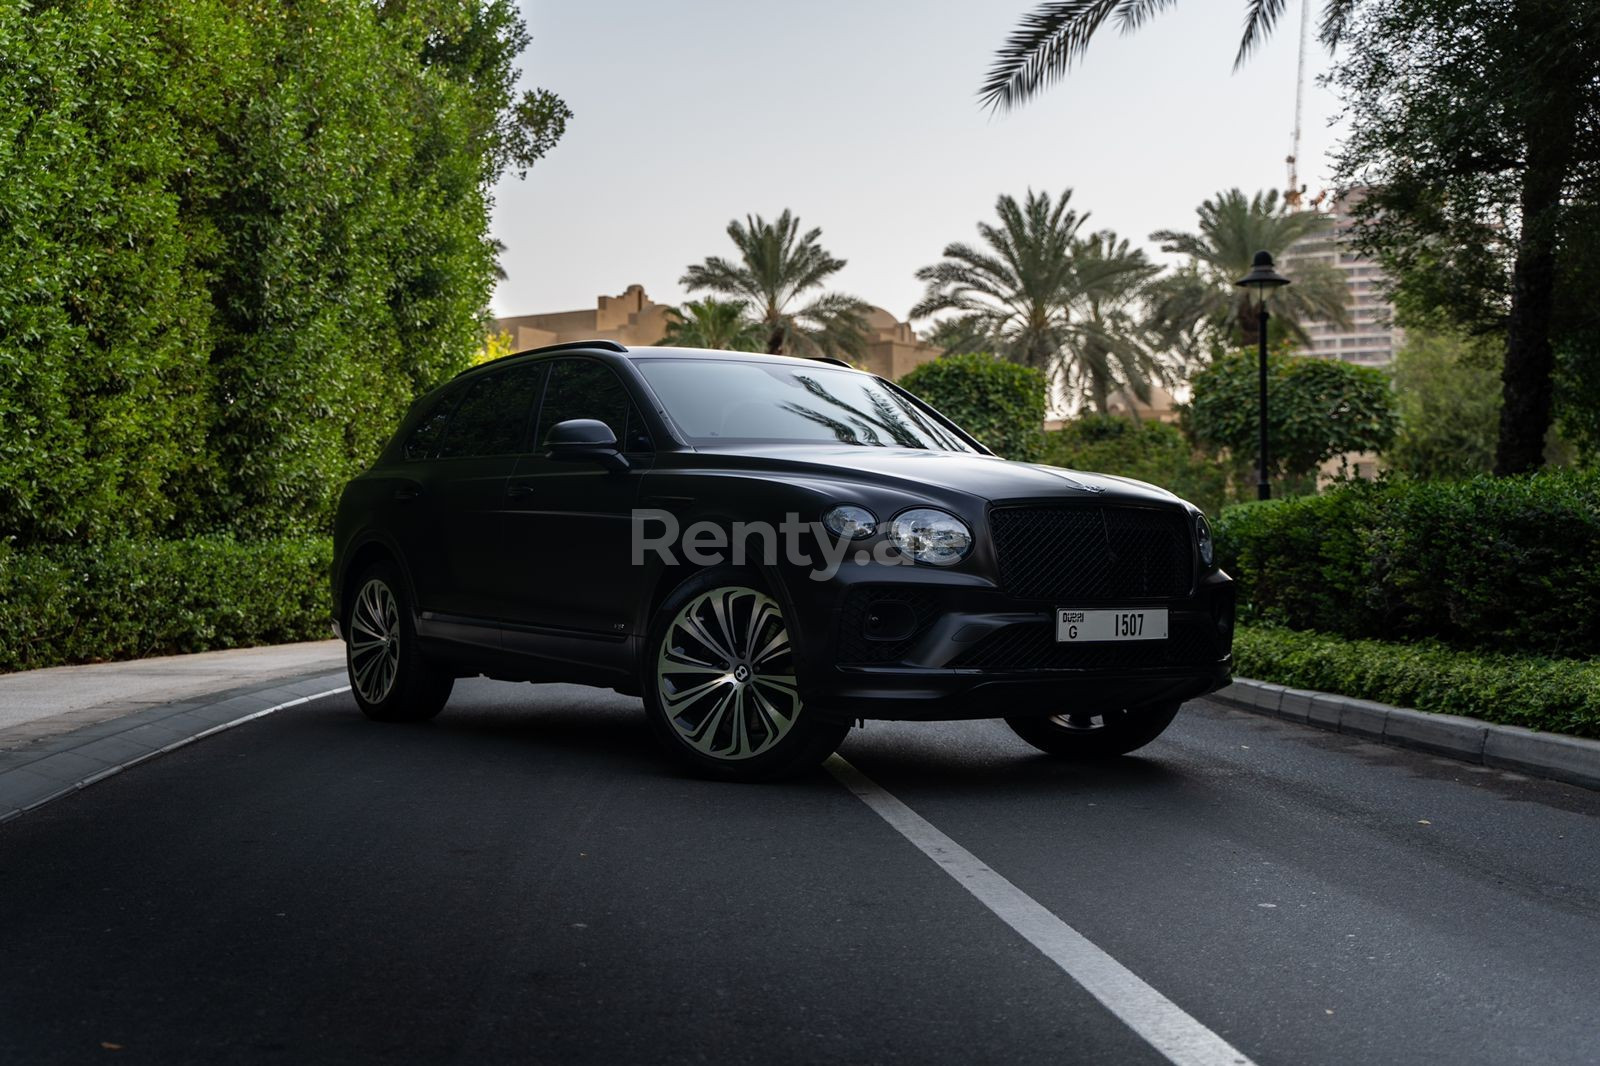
{"x":127,"y":599}
{"x":1556,"y":695}
{"x":1000,"y":403}
{"x":1499,"y":564}
{"x":1147,"y":451}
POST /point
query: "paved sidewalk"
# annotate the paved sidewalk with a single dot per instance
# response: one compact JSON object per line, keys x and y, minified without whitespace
{"x":36,"y":704}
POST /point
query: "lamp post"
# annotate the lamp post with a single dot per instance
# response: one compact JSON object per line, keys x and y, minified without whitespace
{"x":1261,"y":278}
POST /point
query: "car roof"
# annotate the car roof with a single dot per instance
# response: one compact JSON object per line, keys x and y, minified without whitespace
{"x":655,"y":352}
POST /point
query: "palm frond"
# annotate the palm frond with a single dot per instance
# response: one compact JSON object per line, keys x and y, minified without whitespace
{"x":1260,"y":16}
{"x":1042,"y":48}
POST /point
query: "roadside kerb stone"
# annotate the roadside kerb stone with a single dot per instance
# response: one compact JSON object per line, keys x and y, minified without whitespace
{"x":1571,"y":759}
{"x":1574,"y":760}
{"x":40,"y":772}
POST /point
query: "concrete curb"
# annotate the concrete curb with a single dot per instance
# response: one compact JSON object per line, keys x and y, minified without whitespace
{"x":45,"y":771}
{"x":1560,"y":758}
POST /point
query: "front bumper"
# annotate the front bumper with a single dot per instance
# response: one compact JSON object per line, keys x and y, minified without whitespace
{"x":934,"y":645}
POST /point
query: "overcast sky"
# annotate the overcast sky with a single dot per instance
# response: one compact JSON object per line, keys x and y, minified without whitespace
{"x":862,"y":117}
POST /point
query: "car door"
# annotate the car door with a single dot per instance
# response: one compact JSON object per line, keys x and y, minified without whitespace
{"x":570,"y":566}
{"x":457,"y":526}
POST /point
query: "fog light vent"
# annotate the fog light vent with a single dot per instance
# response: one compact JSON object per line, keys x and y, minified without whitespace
{"x":888,"y":620}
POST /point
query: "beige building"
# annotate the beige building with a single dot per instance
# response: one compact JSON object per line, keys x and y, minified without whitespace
{"x":1372,"y":337}
{"x":893,"y":347}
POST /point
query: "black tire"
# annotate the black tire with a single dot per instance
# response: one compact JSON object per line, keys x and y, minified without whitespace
{"x":727,"y":715}
{"x":389,"y":677}
{"x":1100,"y":736}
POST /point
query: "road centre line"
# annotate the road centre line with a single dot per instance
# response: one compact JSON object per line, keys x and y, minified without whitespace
{"x":1163,"y":1024}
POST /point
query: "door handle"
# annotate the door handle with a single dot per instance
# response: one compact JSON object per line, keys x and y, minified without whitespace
{"x":408,"y":492}
{"x":519,"y":491}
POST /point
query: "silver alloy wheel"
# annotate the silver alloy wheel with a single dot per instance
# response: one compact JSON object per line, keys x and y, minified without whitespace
{"x":374,"y":641}
{"x":725,"y":674}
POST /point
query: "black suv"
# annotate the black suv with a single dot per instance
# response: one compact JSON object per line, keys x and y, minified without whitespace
{"x":765,"y":549}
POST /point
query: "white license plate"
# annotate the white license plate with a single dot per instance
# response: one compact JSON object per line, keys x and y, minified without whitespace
{"x":1074,"y":626}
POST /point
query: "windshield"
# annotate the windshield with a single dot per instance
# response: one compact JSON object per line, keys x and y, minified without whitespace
{"x":723,"y":400}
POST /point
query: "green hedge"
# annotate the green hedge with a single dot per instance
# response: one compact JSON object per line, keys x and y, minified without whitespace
{"x":1000,"y":403}
{"x":1557,"y":695}
{"x":1495,"y":564}
{"x":1147,"y":451}
{"x":126,"y":599}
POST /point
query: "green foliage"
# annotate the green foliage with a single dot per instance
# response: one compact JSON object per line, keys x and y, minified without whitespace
{"x":1316,"y":409}
{"x":1200,"y":307}
{"x":1000,"y":403}
{"x":1473,"y":135}
{"x":1508,"y":564}
{"x":1042,"y":296}
{"x":1557,"y":695}
{"x":1447,"y":397}
{"x":124,"y":599}
{"x":1146,"y":451}
{"x":721,"y":325}
{"x":239,"y":237}
{"x":778,"y":262}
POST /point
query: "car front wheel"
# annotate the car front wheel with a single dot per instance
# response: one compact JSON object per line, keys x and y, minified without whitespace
{"x":1095,"y":736}
{"x":389,"y":678}
{"x":721,"y":694}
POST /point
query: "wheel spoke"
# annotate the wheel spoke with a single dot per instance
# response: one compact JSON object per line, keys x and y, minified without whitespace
{"x":727,"y":709}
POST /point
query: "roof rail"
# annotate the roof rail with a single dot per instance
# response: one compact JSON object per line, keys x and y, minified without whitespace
{"x":568,"y":346}
{"x":572,"y":346}
{"x":835,"y":362}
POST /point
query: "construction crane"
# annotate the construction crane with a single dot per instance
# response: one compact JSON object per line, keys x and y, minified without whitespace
{"x":1294,"y":191}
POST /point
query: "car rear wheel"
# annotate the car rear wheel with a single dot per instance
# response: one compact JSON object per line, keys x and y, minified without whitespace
{"x":721,"y":690}
{"x":389,"y":678}
{"x":1095,"y":736}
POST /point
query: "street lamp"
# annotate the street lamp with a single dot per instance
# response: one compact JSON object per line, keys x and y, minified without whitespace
{"x":1261,"y":278}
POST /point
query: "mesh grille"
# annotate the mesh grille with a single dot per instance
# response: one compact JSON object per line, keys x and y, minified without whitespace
{"x":854,"y":647}
{"x":1033,"y":646}
{"x":1092,"y":552}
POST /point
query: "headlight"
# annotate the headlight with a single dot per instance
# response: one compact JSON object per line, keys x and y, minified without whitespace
{"x":850,"y":522}
{"x":930,"y":536}
{"x":1202,"y":534}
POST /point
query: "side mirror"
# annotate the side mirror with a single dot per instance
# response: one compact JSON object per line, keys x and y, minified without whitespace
{"x":584,"y":440}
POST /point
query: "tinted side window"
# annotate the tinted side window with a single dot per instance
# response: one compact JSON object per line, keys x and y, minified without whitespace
{"x":493,"y":415}
{"x":425,"y":436}
{"x":580,"y":388}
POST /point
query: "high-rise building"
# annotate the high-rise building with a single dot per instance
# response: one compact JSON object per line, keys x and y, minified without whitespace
{"x":1372,"y":337}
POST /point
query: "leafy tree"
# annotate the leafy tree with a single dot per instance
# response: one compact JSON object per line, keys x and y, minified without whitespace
{"x":1044,"y":297}
{"x":1477,"y":127}
{"x":722,"y":325}
{"x":1203,"y":301}
{"x":777,"y":263}
{"x":1000,"y":403}
{"x":1317,"y":409}
{"x":239,"y":238}
{"x":1153,"y":452}
{"x":1448,"y":406}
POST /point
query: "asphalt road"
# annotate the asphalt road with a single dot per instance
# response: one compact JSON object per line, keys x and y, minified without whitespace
{"x":527,"y":880}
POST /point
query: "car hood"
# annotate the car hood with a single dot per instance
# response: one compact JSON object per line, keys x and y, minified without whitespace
{"x":984,"y":476}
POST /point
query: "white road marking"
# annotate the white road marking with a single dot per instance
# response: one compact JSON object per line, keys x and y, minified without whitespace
{"x":1159,"y":1021}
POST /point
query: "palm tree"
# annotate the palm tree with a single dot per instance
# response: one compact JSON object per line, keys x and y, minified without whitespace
{"x":776,"y":264}
{"x":1057,"y":33}
{"x":711,"y":323}
{"x":1044,"y":297}
{"x":1012,"y":295}
{"x":1202,"y":301}
{"x":1113,"y":348}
